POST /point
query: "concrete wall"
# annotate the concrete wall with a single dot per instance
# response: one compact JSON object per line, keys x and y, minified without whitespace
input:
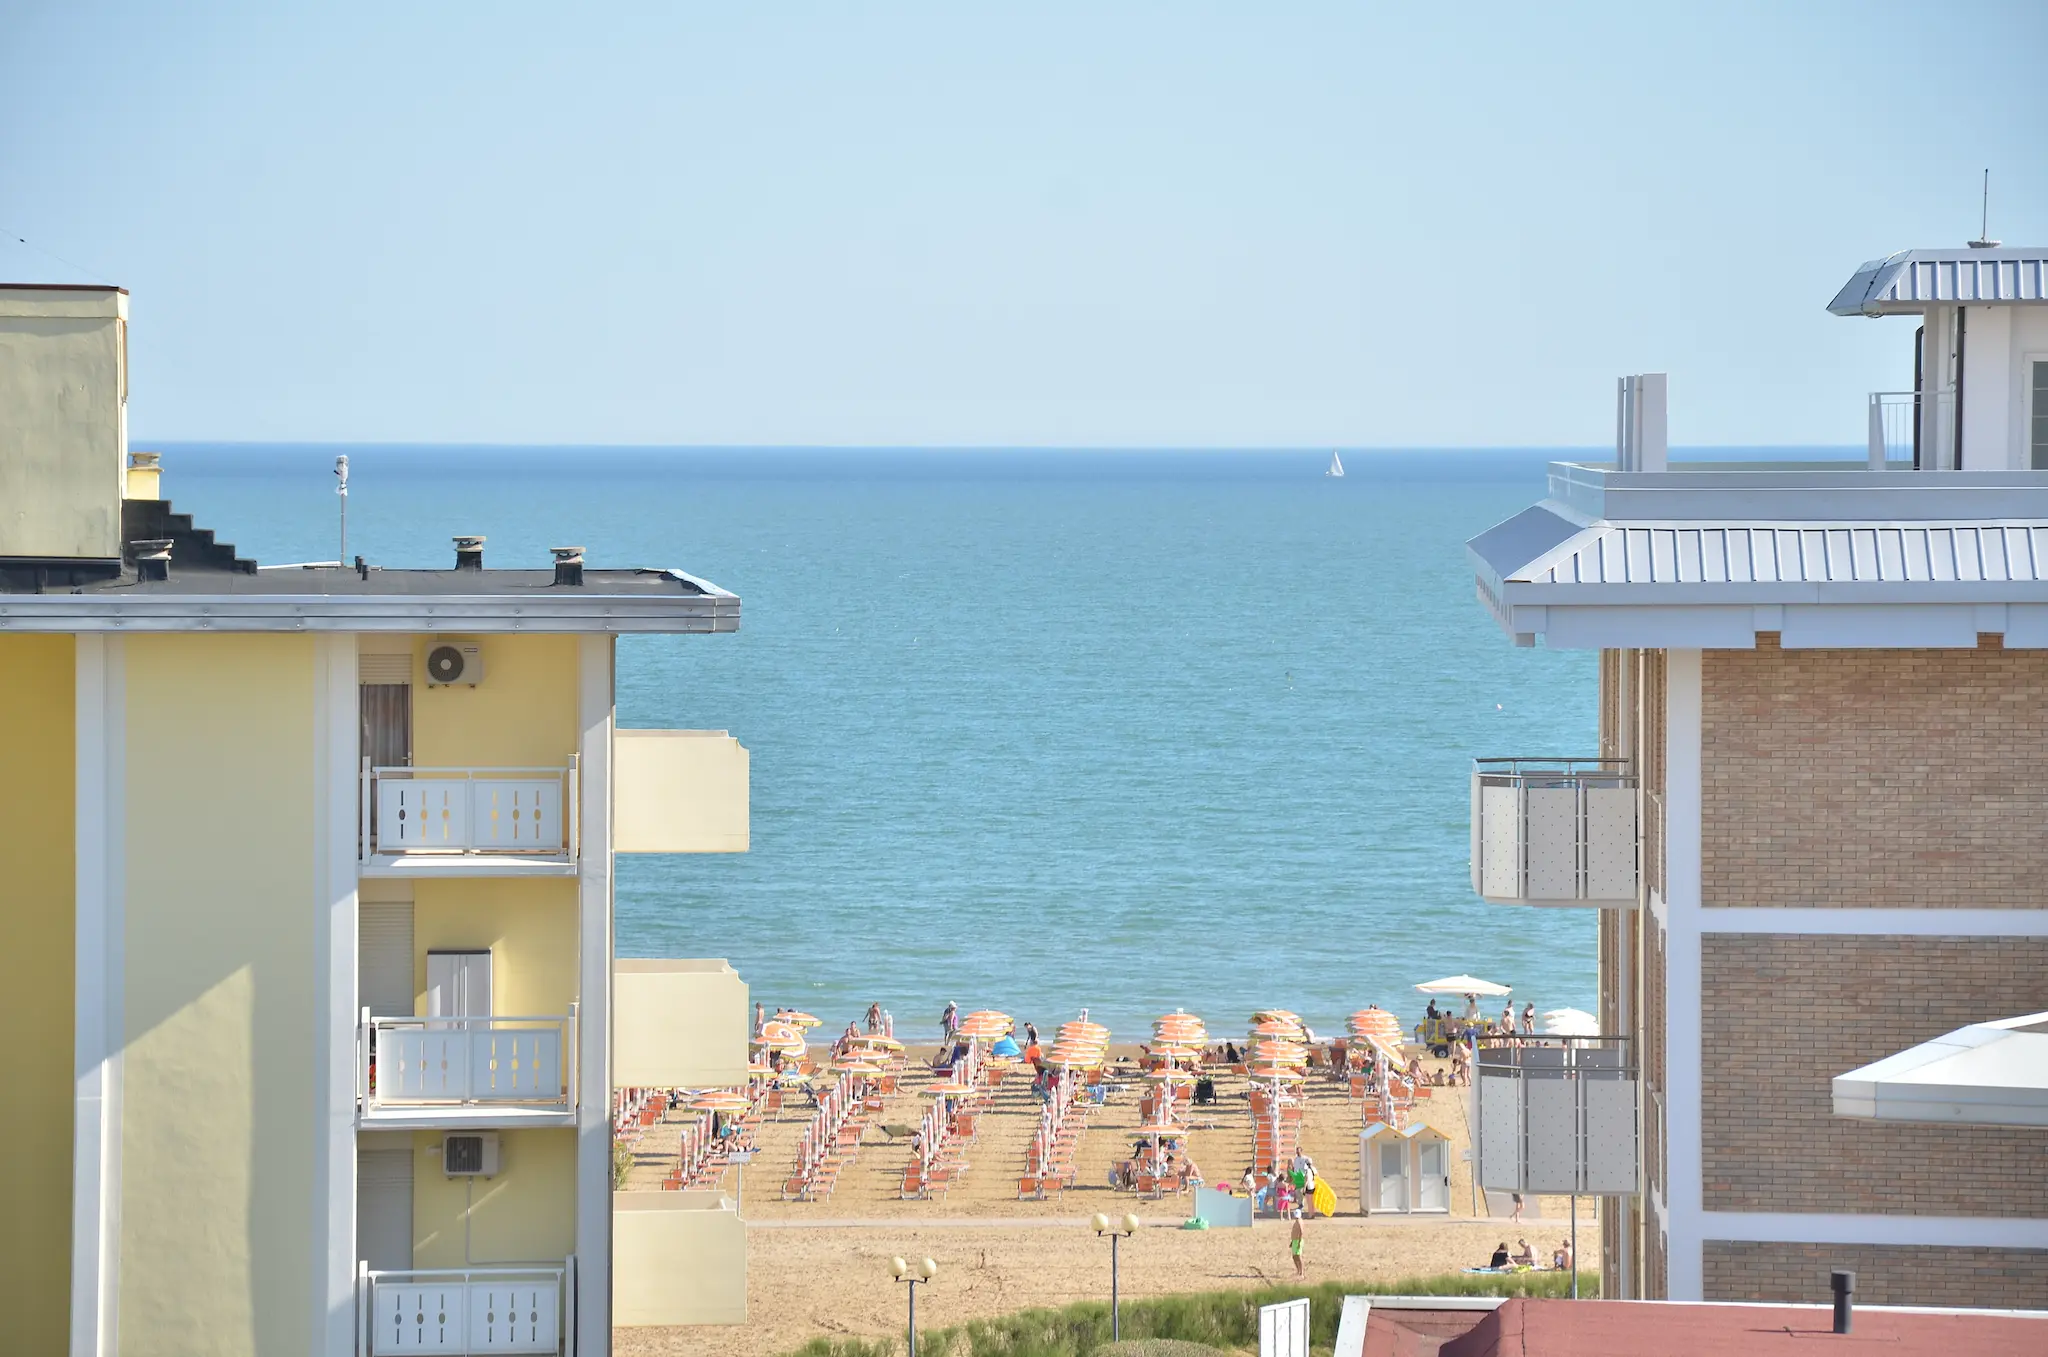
{"x":1784,"y":1014}
{"x":1873,"y":778}
{"x":522,"y":715}
{"x":677,"y":1258}
{"x":526,"y":1214}
{"x":678,"y":1024}
{"x":63,"y":430}
{"x":528,"y":925}
{"x":36,"y":974}
{"x":1885,"y":1274}
{"x":219,"y":1132}
{"x":1997,"y":342}
{"x":679,"y":791}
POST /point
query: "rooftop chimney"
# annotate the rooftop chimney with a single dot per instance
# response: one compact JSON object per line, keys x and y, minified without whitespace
{"x":145,"y":472}
{"x":568,"y":565}
{"x":1844,"y":1284}
{"x":152,"y":558}
{"x":469,"y":553}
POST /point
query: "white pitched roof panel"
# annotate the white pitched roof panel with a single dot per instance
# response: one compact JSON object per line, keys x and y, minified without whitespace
{"x":1917,"y":279}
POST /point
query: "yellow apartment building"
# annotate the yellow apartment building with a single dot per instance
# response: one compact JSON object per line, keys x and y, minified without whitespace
{"x":306,"y":899}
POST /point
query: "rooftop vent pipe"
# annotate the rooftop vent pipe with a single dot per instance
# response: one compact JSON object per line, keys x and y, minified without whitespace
{"x":1844,"y":1284}
{"x":568,"y":565}
{"x":469,"y":553}
{"x":152,"y":558}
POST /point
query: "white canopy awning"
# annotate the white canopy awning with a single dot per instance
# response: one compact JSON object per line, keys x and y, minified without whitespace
{"x":1986,"y":1074}
{"x":1465,"y":984}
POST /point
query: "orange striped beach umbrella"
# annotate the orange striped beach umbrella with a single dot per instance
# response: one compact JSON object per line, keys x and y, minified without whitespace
{"x":720,"y":1100}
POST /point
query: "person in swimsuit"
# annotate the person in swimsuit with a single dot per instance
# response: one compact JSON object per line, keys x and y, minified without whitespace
{"x":1294,"y":1241}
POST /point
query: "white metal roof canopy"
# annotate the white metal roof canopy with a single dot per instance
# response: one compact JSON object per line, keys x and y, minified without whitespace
{"x":1986,"y":1074}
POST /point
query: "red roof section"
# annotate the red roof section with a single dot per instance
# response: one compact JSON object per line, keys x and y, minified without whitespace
{"x":1567,"y":1328}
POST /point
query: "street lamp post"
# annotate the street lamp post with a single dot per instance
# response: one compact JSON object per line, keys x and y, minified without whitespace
{"x":913,"y":1273}
{"x":1116,"y":1231}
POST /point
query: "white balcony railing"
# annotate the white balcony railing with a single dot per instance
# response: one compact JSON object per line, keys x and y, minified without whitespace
{"x":411,"y":1064}
{"x":457,"y":811}
{"x":461,"y":1311}
{"x":1554,"y":832}
{"x":1895,"y":433}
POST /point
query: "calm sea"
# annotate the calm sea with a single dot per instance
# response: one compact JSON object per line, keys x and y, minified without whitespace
{"x":1036,"y":730}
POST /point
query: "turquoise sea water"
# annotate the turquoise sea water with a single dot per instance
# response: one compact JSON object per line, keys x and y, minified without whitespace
{"x":1036,"y":730}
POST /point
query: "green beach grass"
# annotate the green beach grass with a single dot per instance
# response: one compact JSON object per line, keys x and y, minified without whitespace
{"x":1180,"y":1326}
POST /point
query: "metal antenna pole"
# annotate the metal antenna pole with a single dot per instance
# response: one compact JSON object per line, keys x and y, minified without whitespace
{"x":341,"y":490}
{"x":1984,"y":216}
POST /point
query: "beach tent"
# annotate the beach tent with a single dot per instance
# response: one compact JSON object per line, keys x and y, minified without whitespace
{"x":1466,"y":984}
{"x":1404,"y":1170}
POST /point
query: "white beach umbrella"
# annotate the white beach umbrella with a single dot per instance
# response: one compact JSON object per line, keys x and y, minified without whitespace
{"x":1570,"y":1022}
{"x":1465,"y":984}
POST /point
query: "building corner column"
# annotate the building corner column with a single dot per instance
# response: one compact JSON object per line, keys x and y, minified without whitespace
{"x":1684,"y":1112}
{"x":337,"y":725}
{"x":99,"y":1013}
{"x":594,"y":1007}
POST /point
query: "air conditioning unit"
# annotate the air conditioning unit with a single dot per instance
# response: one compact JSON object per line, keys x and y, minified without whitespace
{"x":450,"y":662}
{"x":470,"y":1154}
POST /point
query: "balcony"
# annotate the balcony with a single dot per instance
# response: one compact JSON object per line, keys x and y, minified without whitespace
{"x":468,"y":821}
{"x":1554,"y":832}
{"x":455,"y":1072}
{"x":679,"y":791}
{"x":461,"y":1311}
{"x":677,"y":1258}
{"x":1556,"y":1115}
{"x":1896,"y":435}
{"x":678,"y":1024}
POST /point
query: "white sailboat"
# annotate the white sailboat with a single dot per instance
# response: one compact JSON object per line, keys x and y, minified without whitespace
{"x":1336,"y":466}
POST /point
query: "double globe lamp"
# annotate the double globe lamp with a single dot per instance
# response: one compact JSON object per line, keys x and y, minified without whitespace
{"x":903,"y":1270}
{"x":1117,"y":1230}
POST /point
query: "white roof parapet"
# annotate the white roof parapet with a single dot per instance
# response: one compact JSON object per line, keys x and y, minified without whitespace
{"x":1986,"y":1074}
{"x":1711,"y":556}
{"x":1913,"y":280}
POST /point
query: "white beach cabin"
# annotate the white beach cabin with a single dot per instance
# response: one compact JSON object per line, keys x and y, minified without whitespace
{"x":1404,"y":1170}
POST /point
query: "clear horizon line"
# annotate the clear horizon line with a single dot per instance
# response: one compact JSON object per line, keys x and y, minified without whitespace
{"x":144,"y":444}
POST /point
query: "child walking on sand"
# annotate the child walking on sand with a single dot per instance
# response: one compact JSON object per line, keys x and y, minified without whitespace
{"x":1294,"y":1246}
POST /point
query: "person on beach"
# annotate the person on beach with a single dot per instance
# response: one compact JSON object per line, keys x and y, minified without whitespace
{"x":1529,"y":1020}
{"x":874,"y":1019}
{"x":888,"y":1024}
{"x":1251,"y":1183}
{"x":949,"y":1021}
{"x":1562,"y":1259}
{"x":760,"y":1017}
{"x":1516,"y":1214}
{"x":1030,"y":1034}
{"x":1294,"y":1243}
{"x":1500,"y":1256}
{"x":1524,"y":1255}
{"x":1471,"y":1008}
{"x":1507,"y":1019}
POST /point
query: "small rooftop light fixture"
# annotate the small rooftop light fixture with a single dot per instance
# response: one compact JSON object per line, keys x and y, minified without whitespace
{"x":152,"y":558}
{"x":568,"y":564}
{"x":469,"y":552}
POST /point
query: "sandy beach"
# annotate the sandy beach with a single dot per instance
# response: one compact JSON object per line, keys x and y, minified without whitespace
{"x":818,"y":1268}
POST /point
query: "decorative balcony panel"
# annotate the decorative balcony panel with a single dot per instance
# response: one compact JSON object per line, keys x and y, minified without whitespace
{"x":461,"y":817}
{"x":463,"y":1311}
{"x":477,"y":1063}
{"x":679,"y":791}
{"x":1554,"y":832}
{"x":1556,"y":1115}
{"x":678,"y":1024}
{"x":677,"y":1258}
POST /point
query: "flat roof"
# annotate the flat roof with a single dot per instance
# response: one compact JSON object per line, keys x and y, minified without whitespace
{"x":1530,"y":1327}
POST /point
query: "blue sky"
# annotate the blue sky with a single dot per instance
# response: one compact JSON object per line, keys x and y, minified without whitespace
{"x":1093,"y":224}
